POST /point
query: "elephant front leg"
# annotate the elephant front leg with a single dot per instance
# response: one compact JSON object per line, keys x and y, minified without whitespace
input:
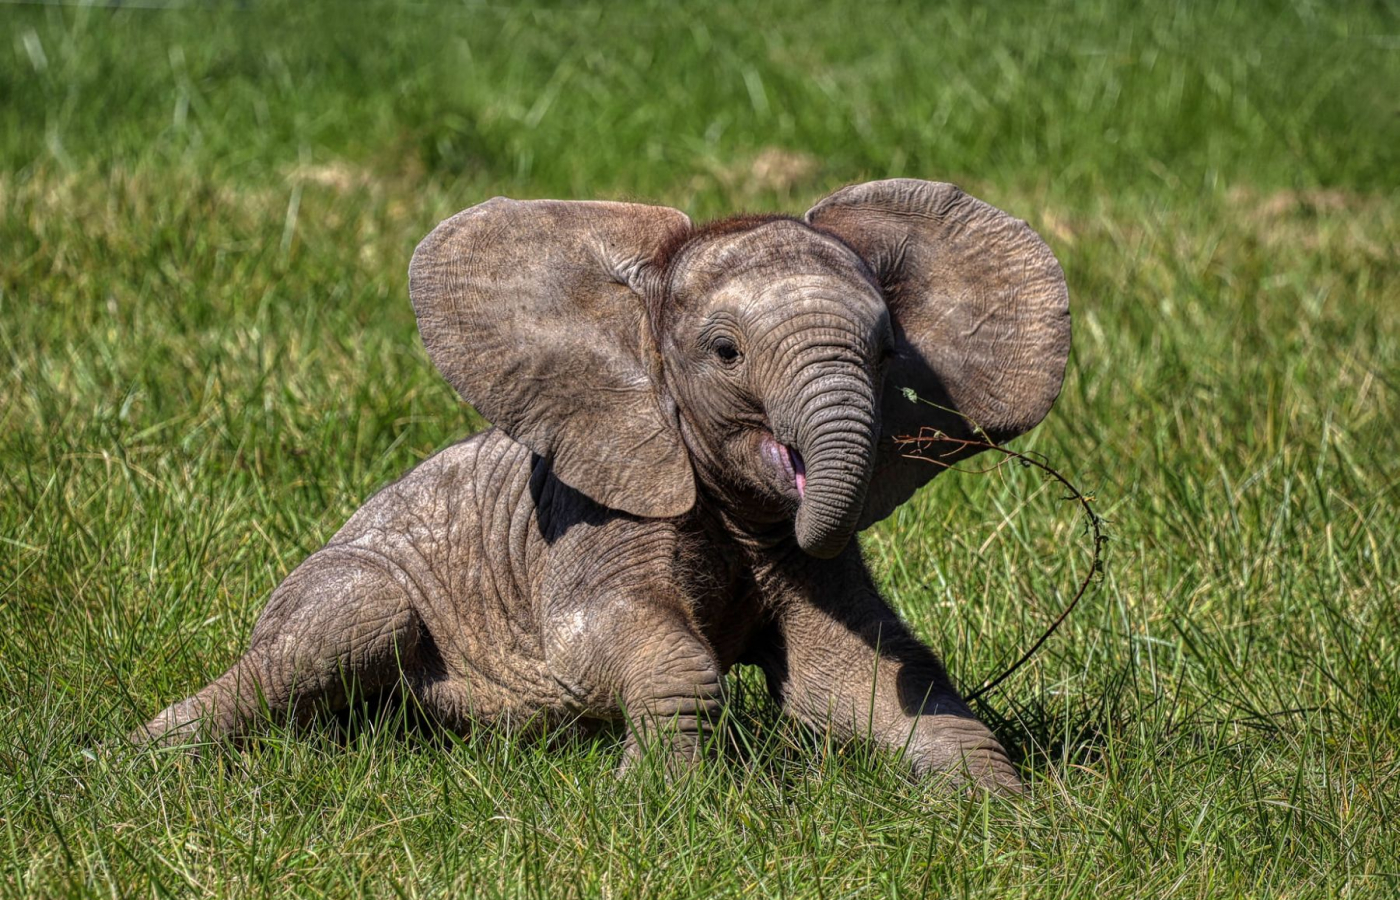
{"x":620,"y":636}
{"x":644,"y":662}
{"x":845,"y":662}
{"x":672,"y":698}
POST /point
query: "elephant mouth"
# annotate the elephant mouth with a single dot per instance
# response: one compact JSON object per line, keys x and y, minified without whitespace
{"x":792,"y":471}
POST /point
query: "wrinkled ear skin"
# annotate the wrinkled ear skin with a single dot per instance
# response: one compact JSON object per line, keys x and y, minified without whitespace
{"x":533,"y":311}
{"x":980,"y":312}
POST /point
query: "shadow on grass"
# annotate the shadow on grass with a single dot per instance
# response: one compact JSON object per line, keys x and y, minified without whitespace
{"x":1052,"y":730}
{"x":1047,"y":732}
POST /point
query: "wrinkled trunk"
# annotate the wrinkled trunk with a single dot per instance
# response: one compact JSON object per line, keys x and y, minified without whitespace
{"x":835,"y":419}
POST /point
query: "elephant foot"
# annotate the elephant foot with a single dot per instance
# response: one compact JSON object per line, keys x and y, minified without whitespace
{"x":182,"y":724}
{"x":963,"y":752}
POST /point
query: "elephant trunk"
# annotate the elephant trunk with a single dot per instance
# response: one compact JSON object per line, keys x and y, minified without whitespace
{"x":836,"y":438}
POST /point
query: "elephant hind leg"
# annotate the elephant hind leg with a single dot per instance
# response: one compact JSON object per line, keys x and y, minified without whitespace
{"x":220,"y":709}
{"x":337,"y":626}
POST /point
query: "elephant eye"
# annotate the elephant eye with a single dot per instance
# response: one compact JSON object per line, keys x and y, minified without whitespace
{"x":724,"y":348}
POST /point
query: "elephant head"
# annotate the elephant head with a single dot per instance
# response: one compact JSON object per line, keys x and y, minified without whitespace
{"x":762,"y":358}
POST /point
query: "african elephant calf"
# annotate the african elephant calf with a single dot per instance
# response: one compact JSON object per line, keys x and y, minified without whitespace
{"x":690,"y":425}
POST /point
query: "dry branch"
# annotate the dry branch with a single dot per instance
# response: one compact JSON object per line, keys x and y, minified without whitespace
{"x":922,"y":446}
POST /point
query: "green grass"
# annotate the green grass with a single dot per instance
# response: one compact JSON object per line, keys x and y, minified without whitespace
{"x":209,"y":360}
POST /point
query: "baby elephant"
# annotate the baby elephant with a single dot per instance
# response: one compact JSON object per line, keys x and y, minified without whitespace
{"x":691,"y":423}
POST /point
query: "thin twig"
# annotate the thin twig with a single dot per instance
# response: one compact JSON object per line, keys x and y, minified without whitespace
{"x":1093,"y":525}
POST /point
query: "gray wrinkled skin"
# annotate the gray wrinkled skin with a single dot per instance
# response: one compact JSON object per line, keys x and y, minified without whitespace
{"x":691,"y":424}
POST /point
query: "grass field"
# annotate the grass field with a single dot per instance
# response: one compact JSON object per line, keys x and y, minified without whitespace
{"x":209,"y":360}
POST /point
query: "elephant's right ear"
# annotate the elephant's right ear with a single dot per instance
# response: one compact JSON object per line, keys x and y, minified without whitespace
{"x":532,"y":310}
{"x":980,"y":313}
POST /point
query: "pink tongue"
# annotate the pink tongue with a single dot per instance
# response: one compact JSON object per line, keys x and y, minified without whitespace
{"x":799,"y":471}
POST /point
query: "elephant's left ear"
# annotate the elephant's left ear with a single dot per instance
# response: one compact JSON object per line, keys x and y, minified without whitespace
{"x":980,"y":311}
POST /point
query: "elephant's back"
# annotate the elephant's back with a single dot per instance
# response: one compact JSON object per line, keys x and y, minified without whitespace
{"x":456,"y":504}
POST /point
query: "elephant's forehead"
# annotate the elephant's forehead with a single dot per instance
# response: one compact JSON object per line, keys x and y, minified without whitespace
{"x":767,"y":301}
{"x":780,"y":254}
